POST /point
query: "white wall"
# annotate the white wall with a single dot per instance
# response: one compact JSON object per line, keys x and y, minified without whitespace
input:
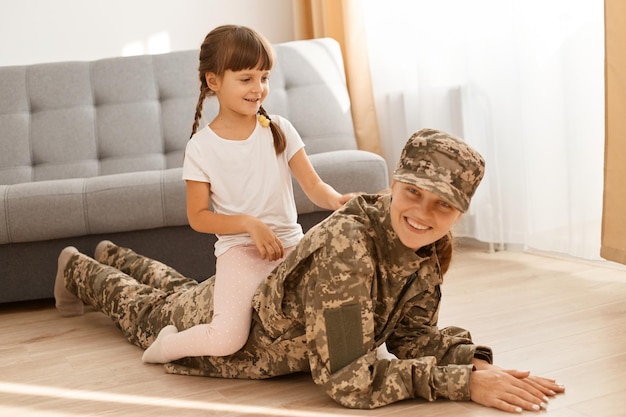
{"x":36,"y":31}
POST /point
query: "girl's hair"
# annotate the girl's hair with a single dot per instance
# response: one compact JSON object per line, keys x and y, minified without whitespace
{"x":235,"y":48}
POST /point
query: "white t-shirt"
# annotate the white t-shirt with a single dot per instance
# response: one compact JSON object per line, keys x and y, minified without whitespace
{"x":247,"y":177}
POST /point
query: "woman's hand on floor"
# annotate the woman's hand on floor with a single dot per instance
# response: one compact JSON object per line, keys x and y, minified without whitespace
{"x":511,"y":390}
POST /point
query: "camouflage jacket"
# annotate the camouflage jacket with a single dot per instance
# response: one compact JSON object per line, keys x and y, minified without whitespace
{"x":349,"y":286}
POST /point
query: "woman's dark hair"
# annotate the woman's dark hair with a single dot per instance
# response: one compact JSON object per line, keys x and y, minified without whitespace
{"x":235,"y":48}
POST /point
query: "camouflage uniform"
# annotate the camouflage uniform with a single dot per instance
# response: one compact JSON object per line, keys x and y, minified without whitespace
{"x":349,"y":286}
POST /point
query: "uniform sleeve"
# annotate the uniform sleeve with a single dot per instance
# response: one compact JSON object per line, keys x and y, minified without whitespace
{"x":340,"y":337}
{"x":417,"y":334}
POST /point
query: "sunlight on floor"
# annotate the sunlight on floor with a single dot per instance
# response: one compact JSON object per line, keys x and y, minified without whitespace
{"x":80,"y":395}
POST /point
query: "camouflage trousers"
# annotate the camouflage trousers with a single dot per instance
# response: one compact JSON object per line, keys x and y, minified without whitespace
{"x":139,"y":294}
{"x":142,"y":295}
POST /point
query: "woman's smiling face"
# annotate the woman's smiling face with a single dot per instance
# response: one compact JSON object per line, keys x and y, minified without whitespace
{"x":419,"y":217}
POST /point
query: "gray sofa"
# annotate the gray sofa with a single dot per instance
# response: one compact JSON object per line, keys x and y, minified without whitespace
{"x":93,"y":150}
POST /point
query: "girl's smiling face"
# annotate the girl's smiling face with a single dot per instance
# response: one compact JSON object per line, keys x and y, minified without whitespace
{"x":419,"y":217}
{"x":241,"y":92}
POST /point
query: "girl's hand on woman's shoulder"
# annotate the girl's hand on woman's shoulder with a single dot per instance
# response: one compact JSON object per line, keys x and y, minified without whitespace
{"x":344,"y":198}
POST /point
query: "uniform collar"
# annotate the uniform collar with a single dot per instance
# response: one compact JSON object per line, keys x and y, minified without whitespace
{"x":402,"y":260}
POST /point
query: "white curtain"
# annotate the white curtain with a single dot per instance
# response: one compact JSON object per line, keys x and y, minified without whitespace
{"x":522,"y":81}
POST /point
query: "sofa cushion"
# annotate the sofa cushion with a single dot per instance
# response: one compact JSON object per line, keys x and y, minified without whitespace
{"x":308,"y":87}
{"x":47,"y":210}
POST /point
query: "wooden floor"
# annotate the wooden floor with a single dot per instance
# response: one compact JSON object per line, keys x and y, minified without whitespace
{"x":559,"y":318}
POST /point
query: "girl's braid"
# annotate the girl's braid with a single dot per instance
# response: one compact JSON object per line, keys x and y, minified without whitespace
{"x":280,"y":143}
{"x":198,"y":115}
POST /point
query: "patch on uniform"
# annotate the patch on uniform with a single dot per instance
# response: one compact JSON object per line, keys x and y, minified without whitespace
{"x":345,"y":335}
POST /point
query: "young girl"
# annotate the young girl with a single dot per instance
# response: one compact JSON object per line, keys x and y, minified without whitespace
{"x":241,"y":164}
{"x":368,"y":274}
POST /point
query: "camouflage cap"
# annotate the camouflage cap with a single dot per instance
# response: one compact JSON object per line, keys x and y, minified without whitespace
{"x":443,"y":164}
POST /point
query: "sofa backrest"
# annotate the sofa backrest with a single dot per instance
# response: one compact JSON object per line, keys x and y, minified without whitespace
{"x":129,"y":114}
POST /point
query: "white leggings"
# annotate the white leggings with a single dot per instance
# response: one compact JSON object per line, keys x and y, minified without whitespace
{"x":239,"y":271}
